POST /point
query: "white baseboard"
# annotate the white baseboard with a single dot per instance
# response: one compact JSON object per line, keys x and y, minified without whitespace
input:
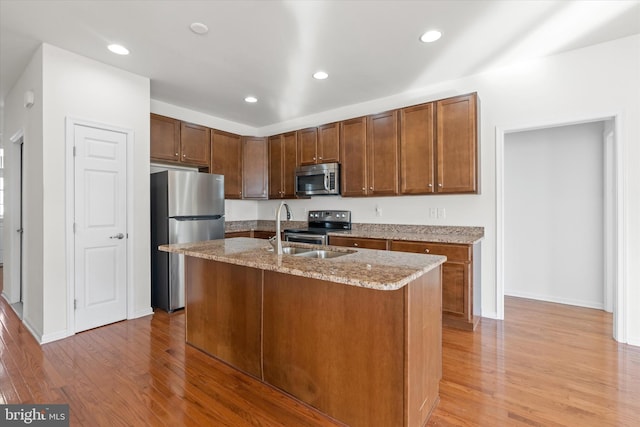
{"x":141,"y":313}
{"x":550,"y":298}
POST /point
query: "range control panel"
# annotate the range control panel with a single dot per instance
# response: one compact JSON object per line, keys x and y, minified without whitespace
{"x":330,"y":216}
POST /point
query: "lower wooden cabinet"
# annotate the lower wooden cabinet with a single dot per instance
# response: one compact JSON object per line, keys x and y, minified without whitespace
{"x":357,"y":242}
{"x":460,"y":298}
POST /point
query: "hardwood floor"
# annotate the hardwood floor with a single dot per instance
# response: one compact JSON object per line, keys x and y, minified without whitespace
{"x":545,"y":365}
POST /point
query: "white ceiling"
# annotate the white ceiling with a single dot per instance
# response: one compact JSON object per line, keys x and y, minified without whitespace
{"x":270,"y":49}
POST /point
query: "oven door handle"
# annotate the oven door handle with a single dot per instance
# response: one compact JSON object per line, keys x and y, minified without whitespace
{"x":320,"y":238}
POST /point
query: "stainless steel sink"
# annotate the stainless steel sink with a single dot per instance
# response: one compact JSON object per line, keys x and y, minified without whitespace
{"x":322,"y":253}
{"x":290,"y":250}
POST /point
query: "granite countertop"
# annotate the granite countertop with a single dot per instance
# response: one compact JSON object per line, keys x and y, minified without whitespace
{"x":367,"y":268}
{"x":419,"y":233}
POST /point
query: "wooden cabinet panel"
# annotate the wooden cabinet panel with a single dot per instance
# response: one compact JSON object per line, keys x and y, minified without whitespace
{"x":457,"y":144}
{"x":455,"y":289}
{"x":453,"y":252}
{"x":282,"y":165}
{"x":319,"y":145}
{"x":339,"y":348}
{"x":194,"y":144}
{"x":230,"y":234}
{"x":417,"y":152}
{"x":382,"y":154}
{"x":224,"y":312}
{"x":460,"y":295}
{"x":259,"y":234}
{"x":254,"y":168}
{"x":165,"y":138}
{"x":329,"y":143}
{"x":226,"y":159}
{"x":307,"y":146}
{"x":358,"y":242}
{"x":353,"y":152}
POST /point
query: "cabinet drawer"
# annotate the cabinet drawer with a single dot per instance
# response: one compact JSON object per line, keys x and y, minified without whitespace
{"x":357,"y":242}
{"x":451,"y":251}
{"x":259,"y":234}
{"x":230,"y":234}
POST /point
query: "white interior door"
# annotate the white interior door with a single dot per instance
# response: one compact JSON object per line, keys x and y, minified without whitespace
{"x":100,"y":248}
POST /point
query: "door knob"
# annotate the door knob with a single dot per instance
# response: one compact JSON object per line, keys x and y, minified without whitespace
{"x":20,"y":230}
{"x":117,"y":236}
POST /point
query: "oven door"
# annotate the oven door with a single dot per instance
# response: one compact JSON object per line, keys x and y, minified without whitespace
{"x":314,"y":239}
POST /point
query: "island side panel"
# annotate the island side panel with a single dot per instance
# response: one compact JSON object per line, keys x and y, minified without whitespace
{"x":424,"y":346}
{"x":223,"y":312}
{"x":339,"y":348}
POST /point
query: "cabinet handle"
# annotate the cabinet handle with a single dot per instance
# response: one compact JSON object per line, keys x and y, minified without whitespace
{"x":177,"y":154}
{"x":320,"y":158}
{"x":363,"y":189}
{"x":426,"y":250}
{"x":314,"y":158}
{"x":370,"y":188}
{"x":439,"y":185}
{"x":430,"y":185}
{"x":184,"y":155}
{"x":355,"y":244}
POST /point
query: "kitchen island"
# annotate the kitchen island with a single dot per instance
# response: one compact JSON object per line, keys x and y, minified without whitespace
{"x":357,"y":336}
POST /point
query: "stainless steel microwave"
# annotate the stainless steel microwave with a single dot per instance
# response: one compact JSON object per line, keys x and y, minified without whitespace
{"x":315,"y":180}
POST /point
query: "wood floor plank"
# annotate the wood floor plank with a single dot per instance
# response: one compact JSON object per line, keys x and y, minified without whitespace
{"x":544,"y":365}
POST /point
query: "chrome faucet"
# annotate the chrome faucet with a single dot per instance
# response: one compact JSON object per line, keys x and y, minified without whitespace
{"x":278,"y":237}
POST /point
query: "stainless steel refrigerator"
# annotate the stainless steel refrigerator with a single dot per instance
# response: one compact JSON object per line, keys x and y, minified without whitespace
{"x":185,"y":207}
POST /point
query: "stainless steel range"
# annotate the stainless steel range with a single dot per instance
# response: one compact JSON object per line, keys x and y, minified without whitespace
{"x":319,"y":223}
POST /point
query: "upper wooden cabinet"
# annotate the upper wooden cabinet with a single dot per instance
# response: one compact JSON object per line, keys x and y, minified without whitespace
{"x":194,"y":144}
{"x":382,"y":154}
{"x":165,"y":138}
{"x":254,"y":168}
{"x":179,"y":142}
{"x":439,"y":147}
{"x":226,"y":159}
{"x":457,"y":144}
{"x":319,"y":145}
{"x":282,"y":165}
{"x":370,"y":155}
{"x":417,"y":149}
{"x":353,"y":152}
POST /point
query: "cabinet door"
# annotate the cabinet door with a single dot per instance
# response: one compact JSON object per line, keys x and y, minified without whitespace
{"x":275,"y":166}
{"x":165,"y":138}
{"x":417,"y":149}
{"x":226,"y":159}
{"x":329,"y":143}
{"x":290,"y":149}
{"x":455,"y":289}
{"x":254,"y":168}
{"x":457,"y":144}
{"x":307,"y":142}
{"x":353,"y":152}
{"x":194,"y":144}
{"x":382,"y":154}
{"x":358,"y":242}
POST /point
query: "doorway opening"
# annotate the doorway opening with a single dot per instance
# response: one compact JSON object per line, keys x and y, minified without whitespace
{"x":569,"y":231}
{"x":15,"y":288}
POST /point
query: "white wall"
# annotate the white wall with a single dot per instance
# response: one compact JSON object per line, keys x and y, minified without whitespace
{"x":73,"y":86}
{"x":597,"y":82}
{"x":29,"y":121}
{"x":554,"y":214}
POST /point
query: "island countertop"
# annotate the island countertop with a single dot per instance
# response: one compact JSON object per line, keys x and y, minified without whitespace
{"x":367,"y":268}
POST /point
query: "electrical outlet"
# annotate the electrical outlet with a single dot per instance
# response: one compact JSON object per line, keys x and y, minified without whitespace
{"x":378,"y":211}
{"x":442,"y":213}
{"x":433,"y":212}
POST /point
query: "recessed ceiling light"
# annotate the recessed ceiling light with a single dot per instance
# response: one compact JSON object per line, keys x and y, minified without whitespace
{"x":251,"y":99}
{"x":199,"y":28}
{"x":320,"y":75}
{"x":118,"y":49}
{"x":430,"y":36}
